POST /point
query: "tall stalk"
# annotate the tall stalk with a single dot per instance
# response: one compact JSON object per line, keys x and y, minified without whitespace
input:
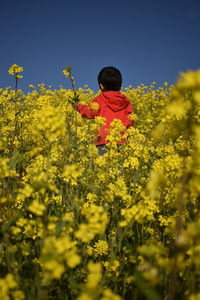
{"x":67,"y":72}
{"x":172,"y":283}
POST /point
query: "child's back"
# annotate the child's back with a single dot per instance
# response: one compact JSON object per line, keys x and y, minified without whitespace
{"x":112,"y":104}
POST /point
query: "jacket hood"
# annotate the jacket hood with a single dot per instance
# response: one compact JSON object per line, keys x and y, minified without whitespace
{"x":115,"y":100}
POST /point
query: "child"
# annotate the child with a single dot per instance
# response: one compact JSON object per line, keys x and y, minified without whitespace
{"x":112,"y":104}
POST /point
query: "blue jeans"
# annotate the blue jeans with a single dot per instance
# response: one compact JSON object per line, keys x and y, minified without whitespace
{"x":102,"y":149}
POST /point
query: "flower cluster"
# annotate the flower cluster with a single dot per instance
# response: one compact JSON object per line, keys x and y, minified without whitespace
{"x":15,"y":69}
{"x":77,"y":225}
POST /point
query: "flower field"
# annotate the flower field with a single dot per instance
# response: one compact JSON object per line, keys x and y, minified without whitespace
{"x":76,"y":225}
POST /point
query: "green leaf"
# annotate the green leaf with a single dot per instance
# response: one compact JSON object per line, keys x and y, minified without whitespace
{"x":149,"y":291}
{"x":15,"y":159}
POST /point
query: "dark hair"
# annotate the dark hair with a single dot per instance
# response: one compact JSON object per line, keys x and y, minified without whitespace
{"x":110,"y":78}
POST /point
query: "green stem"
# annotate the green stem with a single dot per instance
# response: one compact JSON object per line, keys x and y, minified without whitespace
{"x":16,"y":86}
{"x":172,"y":283}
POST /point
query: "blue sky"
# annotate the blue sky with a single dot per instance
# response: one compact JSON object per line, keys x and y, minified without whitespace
{"x":147,"y":40}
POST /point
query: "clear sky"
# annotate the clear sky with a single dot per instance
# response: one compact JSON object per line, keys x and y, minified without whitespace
{"x":149,"y":40}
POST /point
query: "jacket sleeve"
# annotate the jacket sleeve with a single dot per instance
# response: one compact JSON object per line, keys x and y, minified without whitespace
{"x":88,"y":111}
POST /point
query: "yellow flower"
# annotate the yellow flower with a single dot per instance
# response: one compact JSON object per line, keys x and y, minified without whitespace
{"x":19,"y":76}
{"x":151,"y":275}
{"x":71,"y":173}
{"x":100,"y":248}
{"x":15,"y":230}
{"x":165,"y":84}
{"x":67,"y":71}
{"x":73,"y":260}
{"x":10,"y":281}
{"x":116,"y":128}
{"x":51,"y":227}
{"x":196,"y":96}
{"x":5,"y":284}
{"x":89,"y":250}
{"x":97,"y":221}
{"x":54,"y":268}
{"x":194,"y":297}
{"x":94,"y":106}
{"x":109,"y":295}
{"x":189,"y":79}
{"x":85,"y":296}
{"x":112,"y":267}
{"x":37,"y":208}
{"x":84,"y":233}
{"x":178,"y":109}
{"x":27,"y":190}
{"x":68,"y":217}
{"x":131,"y":162}
{"x":91,"y":197}
{"x":94,"y":275}
{"x":15,"y":69}
{"x":5,"y":169}
{"x":18,"y":295}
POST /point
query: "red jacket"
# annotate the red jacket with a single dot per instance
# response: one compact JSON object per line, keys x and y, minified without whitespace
{"x":112,"y":105}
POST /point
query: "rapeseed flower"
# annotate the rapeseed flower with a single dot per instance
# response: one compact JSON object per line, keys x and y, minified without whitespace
{"x":134,"y":209}
{"x":37,"y":208}
{"x":85,"y":296}
{"x":71,"y":173}
{"x":67,"y":71}
{"x":95,"y":274}
{"x":109,"y":295}
{"x":15,"y":69}
{"x":100,"y":248}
